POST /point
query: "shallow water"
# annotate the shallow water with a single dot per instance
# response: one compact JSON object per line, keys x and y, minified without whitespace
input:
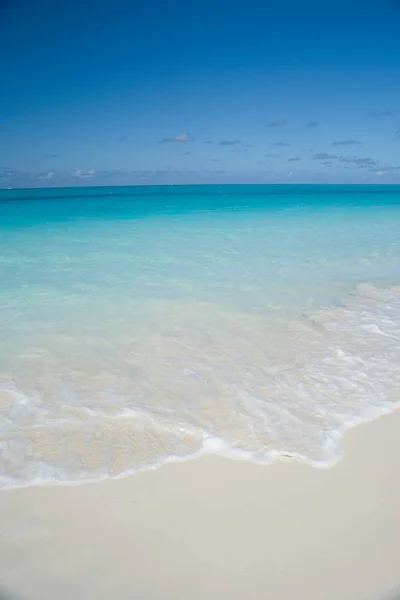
{"x":139,"y":325}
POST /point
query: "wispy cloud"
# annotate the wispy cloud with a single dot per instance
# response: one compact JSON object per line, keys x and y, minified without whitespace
{"x":46,"y":176}
{"x":51,"y":155}
{"x":312,"y":124}
{"x":230,"y":142}
{"x":358,"y":160}
{"x":117,"y":174}
{"x":324,"y":156}
{"x":186,"y":153}
{"x":282,"y":144}
{"x":383,"y":113}
{"x":208,"y":142}
{"x":347,"y":143}
{"x":271,"y":155}
{"x":295,"y":158}
{"x":7,"y":173}
{"x":277,"y":123}
{"x":84,"y":174}
{"x":181,"y":138}
{"x":386,"y":171}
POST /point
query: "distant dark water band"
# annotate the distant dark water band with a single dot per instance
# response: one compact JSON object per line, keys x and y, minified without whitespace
{"x":179,"y":191}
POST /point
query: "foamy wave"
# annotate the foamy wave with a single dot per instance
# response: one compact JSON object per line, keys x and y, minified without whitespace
{"x":196,"y":378}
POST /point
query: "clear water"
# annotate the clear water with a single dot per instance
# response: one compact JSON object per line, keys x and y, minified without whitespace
{"x":140,"y":325}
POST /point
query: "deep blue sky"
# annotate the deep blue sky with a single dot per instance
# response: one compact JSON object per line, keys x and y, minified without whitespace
{"x":179,"y":91}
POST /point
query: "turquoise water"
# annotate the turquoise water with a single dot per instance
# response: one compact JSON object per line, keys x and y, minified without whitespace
{"x":140,"y":325}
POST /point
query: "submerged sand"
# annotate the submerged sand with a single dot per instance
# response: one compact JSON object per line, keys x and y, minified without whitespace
{"x":214,"y":528}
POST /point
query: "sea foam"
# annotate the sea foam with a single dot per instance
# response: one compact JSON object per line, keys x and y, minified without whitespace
{"x":236,"y":384}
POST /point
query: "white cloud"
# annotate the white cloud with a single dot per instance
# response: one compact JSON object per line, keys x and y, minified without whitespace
{"x":47,"y":176}
{"x":6,"y":174}
{"x":84,"y":174}
{"x":182,"y":137}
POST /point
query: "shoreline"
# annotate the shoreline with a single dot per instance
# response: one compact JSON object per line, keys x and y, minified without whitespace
{"x":276,"y":455}
{"x":215,"y":528}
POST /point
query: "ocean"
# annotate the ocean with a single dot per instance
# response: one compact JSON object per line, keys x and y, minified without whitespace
{"x":140,"y":325}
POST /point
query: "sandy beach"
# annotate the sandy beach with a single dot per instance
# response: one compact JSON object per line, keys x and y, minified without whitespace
{"x":215,"y":528}
{"x":200,"y":300}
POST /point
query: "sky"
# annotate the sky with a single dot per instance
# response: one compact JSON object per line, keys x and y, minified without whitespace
{"x":179,"y":91}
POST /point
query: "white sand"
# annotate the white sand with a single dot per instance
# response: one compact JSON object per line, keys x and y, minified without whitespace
{"x":214,"y":528}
